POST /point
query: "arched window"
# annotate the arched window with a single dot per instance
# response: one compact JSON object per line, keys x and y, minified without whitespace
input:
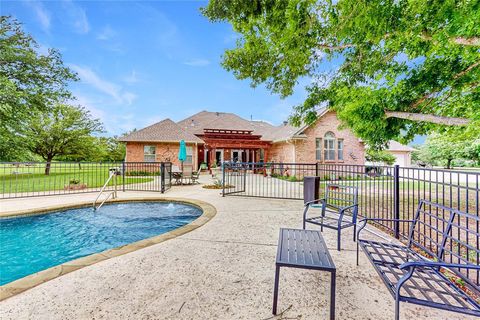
{"x":329,"y":146}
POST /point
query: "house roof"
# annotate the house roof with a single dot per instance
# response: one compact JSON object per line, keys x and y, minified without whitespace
{"x":396,"y":146}
{"x":196,"y":123}
{"x":188,"y":129}
{"x":163,"y":131}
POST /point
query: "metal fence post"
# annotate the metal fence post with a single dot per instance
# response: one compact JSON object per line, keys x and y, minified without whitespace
{"x":162,"y":177}
{"x":223,"y":179}
{"x":396,"y":199}
{"x":316,"y":169}
{"x":123,"y":176}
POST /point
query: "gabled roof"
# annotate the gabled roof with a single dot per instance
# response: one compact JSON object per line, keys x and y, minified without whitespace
{"x":396,"y":146}
{"x":223,"y":120}
{"x":188,"y":129}
{"x":163,"y":131}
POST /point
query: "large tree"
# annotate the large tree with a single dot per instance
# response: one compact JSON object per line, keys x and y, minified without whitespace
{"x":30,"y":81}
{"x":390,"y":68}
{"x":445,"y":149}
{"x":64,"y":131}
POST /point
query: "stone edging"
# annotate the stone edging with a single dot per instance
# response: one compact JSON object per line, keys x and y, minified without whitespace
{"x":13,"y":288}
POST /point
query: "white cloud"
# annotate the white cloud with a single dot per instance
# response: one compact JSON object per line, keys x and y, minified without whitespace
{"x":197,"y":62}
{"x":76,"y":16}
{"x":89,"y":105}
{"x":106,"y":34}
{"x":131,"y":78}
{"x":42,"y":15}
{"x":113,"y":90}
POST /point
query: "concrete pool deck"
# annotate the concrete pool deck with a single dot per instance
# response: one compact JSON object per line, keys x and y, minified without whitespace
{"x":221,"y":270}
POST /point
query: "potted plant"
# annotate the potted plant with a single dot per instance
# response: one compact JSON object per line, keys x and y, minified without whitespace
{"x":74,"y":184}
{"x":213,"y":168}
{"x":266,"y":171}
{"x":203,"y":166}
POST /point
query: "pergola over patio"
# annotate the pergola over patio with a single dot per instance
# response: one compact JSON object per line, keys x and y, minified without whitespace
{"x":234,"y":139}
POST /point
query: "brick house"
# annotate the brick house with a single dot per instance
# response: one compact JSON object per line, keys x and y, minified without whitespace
{"x":214,"y":137}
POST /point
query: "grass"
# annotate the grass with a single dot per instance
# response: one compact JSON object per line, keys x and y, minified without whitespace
{"x":33,"y":179}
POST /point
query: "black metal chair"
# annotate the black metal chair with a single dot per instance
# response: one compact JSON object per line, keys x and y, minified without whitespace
{"x":339,"y":210}
{"x":437,"y":262}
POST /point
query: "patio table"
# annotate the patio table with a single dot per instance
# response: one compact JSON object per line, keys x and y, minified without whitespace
{"x":304,"y":249}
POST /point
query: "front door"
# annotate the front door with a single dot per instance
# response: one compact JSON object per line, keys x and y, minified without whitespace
{"x":219,"y":157}
{"x":237,"y":156}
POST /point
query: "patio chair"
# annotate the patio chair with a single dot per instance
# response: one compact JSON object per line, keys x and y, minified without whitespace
{"x":339,"y":208}
{"x":187,"y":173}
{"x":196,"y":176}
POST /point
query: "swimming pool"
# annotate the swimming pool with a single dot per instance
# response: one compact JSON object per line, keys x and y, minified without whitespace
{"x":29,"y":244}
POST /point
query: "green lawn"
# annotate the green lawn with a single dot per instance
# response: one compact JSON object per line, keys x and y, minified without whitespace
{"x":32,"y":178}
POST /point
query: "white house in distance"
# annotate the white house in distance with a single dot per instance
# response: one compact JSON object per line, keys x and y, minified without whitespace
{"x":402,"y":153}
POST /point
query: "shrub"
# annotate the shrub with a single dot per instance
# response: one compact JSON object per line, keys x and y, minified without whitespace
{"x":74,"y":181}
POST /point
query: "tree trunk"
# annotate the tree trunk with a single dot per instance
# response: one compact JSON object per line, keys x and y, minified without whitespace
{"x":47,"y":166}
{"x":421,"y":117}
{"x":449,"y":163}
{"x":79,"y":165}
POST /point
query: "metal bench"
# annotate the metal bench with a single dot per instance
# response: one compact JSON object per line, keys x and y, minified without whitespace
{"x":441,"y":256}
{"x":340,"y":203}
{"x":304,"y":249}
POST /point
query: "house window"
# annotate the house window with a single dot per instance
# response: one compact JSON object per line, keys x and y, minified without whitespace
{"x":318,"y":149}
{"x":189,"y":158}
{"x":340,"y":149}
{"x":329,"y":146}
{"x":149,"y":153}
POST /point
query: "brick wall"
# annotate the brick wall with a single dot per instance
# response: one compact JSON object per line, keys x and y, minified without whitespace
{"x":165,"y":152}
{"x":353,"y":149}
{"x":282,"y":152}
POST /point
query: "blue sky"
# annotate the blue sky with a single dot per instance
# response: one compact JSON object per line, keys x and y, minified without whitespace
{"x":141,"y":62}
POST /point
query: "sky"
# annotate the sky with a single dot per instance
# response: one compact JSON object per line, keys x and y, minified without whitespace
{"x":141,"y":62}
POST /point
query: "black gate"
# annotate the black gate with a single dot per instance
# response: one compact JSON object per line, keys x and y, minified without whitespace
{"x":266,"y":180}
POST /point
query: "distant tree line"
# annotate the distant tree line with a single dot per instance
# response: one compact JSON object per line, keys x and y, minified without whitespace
{"x":449,"y":151}
{"x":39,"y":119}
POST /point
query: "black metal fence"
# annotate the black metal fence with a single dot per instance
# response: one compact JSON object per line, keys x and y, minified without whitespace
{"x":389,"y":192}
{"x":31,"y":179}
{"x":383,"y":191}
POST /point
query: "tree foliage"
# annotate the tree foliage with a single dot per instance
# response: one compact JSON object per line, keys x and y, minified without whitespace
{"x":29,"y":82}
{"x":443,"y":149}
{"x":380,"y":156}
{"x":414,"y":56}
{"x":64,"y":131}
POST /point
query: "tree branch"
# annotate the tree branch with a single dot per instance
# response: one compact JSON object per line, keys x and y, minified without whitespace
{"x":461,"y":74}
{"x":335,"y":47}
{"x":474,"y":41}
{"x":448,"y":121}
{"x":464,"y":41}
{"x":455,"y":77}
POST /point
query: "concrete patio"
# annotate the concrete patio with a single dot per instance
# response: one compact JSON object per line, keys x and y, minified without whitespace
{"x":222,"y":270}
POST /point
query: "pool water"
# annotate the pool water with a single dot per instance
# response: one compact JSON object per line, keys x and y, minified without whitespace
{"x":30,"y":244}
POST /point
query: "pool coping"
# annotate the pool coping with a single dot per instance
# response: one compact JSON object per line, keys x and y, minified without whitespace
{"x":18,"y":286}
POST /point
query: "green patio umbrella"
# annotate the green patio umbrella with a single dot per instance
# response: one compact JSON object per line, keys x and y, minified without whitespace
{"x":182,"y":152}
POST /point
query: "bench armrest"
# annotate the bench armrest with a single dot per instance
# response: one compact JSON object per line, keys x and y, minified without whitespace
{"x":365,"y":220}
{"x":434,"y":264}
{"x":314,"y":202}
{"x":349,"y":207}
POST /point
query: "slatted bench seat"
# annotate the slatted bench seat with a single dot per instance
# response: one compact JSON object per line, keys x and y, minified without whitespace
{"x":339,"y":210}
{"x":437,"y":257}
{"x":304,"y":249}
